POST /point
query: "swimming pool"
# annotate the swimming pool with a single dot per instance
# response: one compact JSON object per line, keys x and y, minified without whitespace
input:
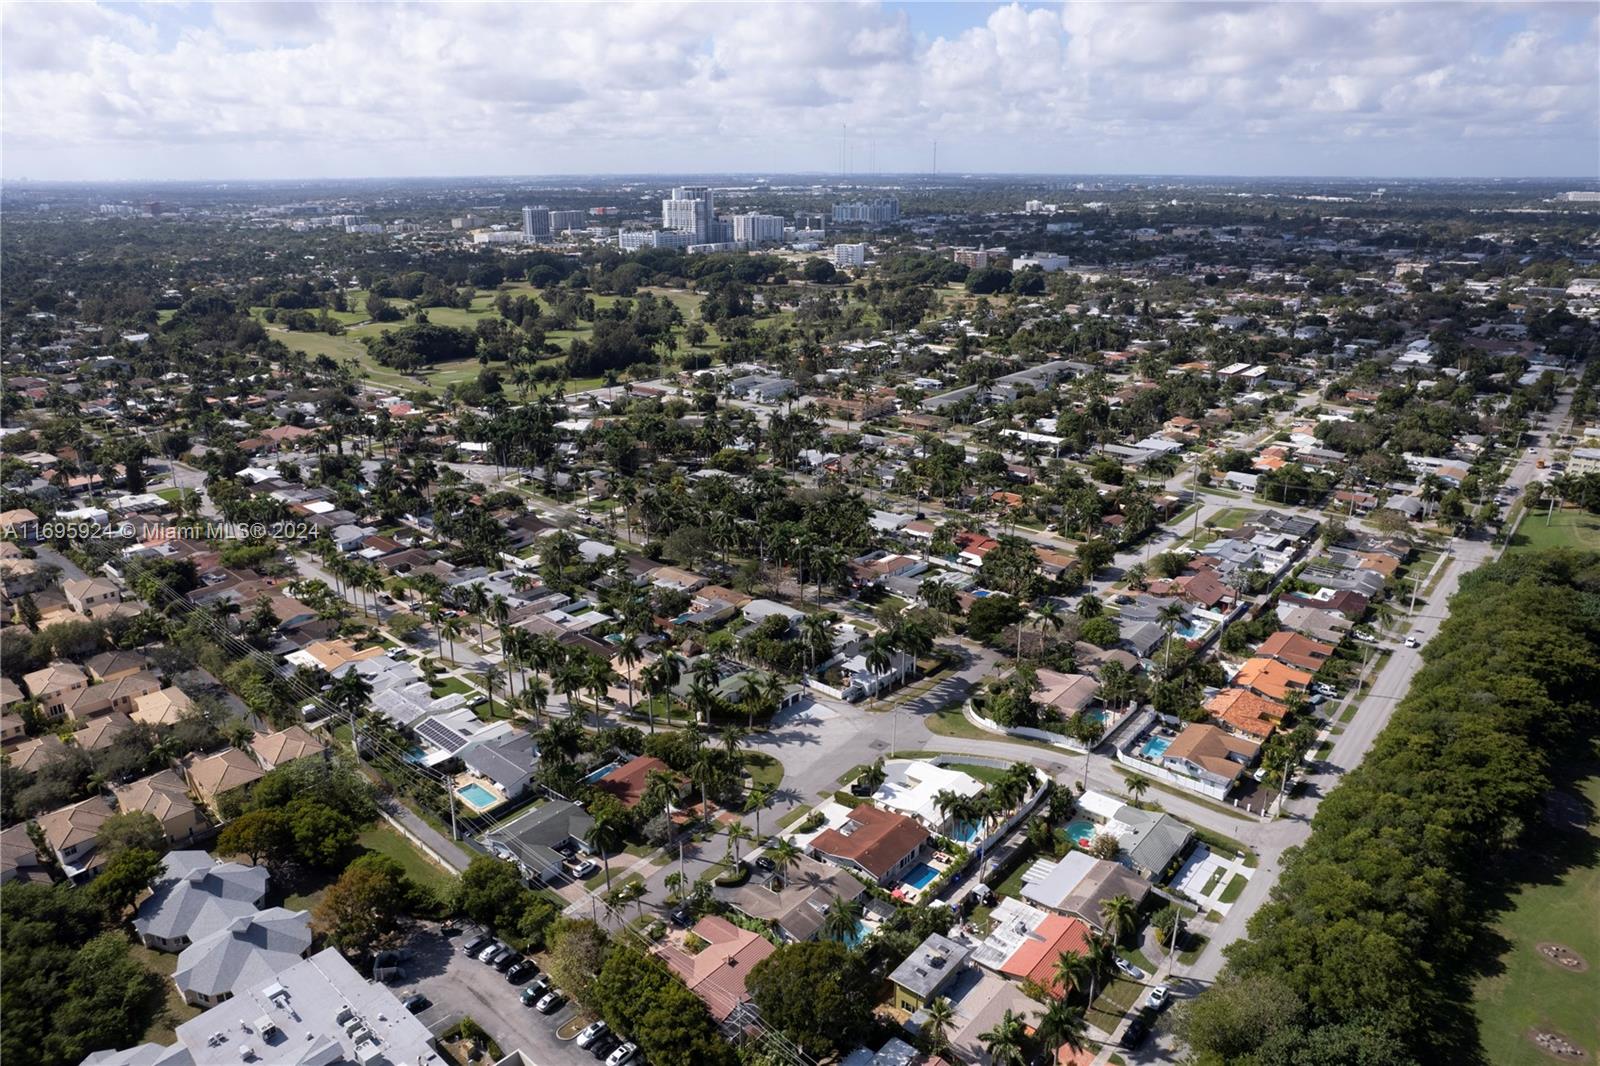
{"x":921,"y":876}
{"x":966,"y":832}
{"x":477,"y":795}
{"x":1154,"y":748}
{"x":1080,"y":831}
{"x":603,"y":771}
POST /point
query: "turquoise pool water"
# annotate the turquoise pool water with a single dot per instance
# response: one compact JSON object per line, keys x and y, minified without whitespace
{"x":477,"y":795}
{"x":921,"y":876}
{"x":855,"y":938}
{"x":966,"y":832}
{"x":603,"y":771}
{"x":1154,"y":748}
{"x":1080,"y":831}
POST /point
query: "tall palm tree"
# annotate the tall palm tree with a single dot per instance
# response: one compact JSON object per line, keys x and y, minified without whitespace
{"x":736,"y":833}
{"x":816,"y":632}
{"x":1006,"y":1042}
{"x":603,"y":836}
{"x":1048,"y":616}
{"x":1119,"y":913}
{"x":489,"y":677}
{"x":535,"y":696}
{"x":1137,"y":784}
{"x":449,"y":630}
{"x":630,"y":655}
{"x":937,"y":1017}
{"x":1099,"y":958}
{"x":1169,"y":617}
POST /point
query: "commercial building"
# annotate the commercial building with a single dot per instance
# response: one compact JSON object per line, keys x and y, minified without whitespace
{"x":561,"y":221}
{"x":631,"y":240}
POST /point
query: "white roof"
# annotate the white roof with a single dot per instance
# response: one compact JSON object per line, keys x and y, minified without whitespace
{"x":910,"y":789}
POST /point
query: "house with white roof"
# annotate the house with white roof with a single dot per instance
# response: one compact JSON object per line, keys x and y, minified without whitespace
{"x":912,"y":788}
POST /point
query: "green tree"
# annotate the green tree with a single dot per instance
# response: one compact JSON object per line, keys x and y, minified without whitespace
{"x":1006,"y":1042}
{"x":364,"y":905}
{"x":636,"y":994}
{"x":136,"y":829}
{"x":261,"y":836}
{"x":322,"y":836}
{"x":816,"y":993}
{"x":125,"y":877}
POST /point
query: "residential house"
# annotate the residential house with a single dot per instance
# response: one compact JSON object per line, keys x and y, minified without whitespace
{"x":212,"y":777}
{"x":1067,"y":693}
{"x":1295,"y":650}
{"x":913,"y":789}
{"x":273,"y":750}
{"x":165,"y":706}
{"x":1079,"y":884}
{"x":1245,"y":712}
{"x":718,"y":971}
{"x":72,"y":833}
{"x":51,"y":685}
{"x":87,"y":594}
{"x":925,"y":973}
{"x":629,"y":781}
{"x":881,"y":844}
{"x":32,"y":755}
{"x":532,"y":839}
{"x":111,"y":665}
{"x":1271,"y":678}
{"x":506,"y":761}
{"x":1209,"y":755}
{"x":19,"y":858}
{"x":797,"y":901}
{"x":165,"y":797}
{"x":113,"y":697}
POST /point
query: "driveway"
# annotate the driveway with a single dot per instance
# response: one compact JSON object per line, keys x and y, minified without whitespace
{"x":461,"y":986}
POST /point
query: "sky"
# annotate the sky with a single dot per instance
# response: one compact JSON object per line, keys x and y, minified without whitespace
{"x":113,"y":91}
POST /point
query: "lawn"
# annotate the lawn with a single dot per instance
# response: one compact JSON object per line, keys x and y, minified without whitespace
{"x":174,"y":1011}
{"x":1113,"y":1002}
{"x":765,"y":771}
{"x":1568,"y":528}
{"x":450,"y":686}
{"x":987,"y":774}
{"x":385,"y":839}
{"x":1558,"y":904}
{"x":1235,"y":888}
{"x":950,"y":722}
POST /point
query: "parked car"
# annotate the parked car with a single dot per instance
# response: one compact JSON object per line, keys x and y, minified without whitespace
{"x":416,"y":1003}
{"x":592,"y":1033}
{"x":623,"y":1054}
{"x":579,"y":869}
{"x":522,"y":971}
{"x":1128,"y":969}
{"x":604,"y":1045}
{"x":765,"y":865}
{"x":506,"y":961}
{"x":493,"y":953}
{"x":1160,"y":996}
{"x":550,"y":1002}
{"x":682,"y":917}
{"x":1412,"y":642}
{"x":1135,"y":1033}
{"x":474,"y":944}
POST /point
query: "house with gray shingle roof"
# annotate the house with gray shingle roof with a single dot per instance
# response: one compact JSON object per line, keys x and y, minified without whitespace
{"x":196,"y":897}
{"x":249,"y":951}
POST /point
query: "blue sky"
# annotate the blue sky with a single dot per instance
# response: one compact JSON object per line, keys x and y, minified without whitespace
{"x":262,"y":90}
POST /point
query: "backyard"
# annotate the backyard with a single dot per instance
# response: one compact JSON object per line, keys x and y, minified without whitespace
{"x":1526,"y":990}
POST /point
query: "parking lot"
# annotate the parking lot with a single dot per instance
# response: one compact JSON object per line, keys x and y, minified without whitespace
{"x":459,"y":986}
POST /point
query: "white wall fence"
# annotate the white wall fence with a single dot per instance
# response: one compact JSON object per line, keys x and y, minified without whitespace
{"x":1161,"y":773}
{"x":1055,"y":740}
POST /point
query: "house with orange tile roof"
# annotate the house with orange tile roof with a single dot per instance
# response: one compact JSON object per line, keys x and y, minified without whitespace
{"x":212,"y":777}
{"x":1209,"y":755}
{"x":1296,"y":650}
{"x":629,"y":781}
{"x":1271,"y":678}
{"x":718,"y":971}
{"x":1035,"y":959}
{"x":1245,"y":712}
{"x":273,"y":750}
{"x":881,"y":844}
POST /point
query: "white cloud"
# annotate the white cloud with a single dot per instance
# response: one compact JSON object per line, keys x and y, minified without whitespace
{"x":473,"y":88}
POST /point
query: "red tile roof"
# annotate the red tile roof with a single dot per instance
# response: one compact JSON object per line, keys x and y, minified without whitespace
{"x":717,"y":973}
{"x":1036,"y":958}
{"x":874,"y":839}
{"x":627,"y":782}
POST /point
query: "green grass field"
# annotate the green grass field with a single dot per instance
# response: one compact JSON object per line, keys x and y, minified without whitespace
{"x":348,"y":346}
{"x":1568,"y":528}
{"x":1564,"y":908}
{"x":386,"y":840}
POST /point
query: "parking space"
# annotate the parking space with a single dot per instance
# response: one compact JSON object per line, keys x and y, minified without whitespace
{"x":462,"y":987}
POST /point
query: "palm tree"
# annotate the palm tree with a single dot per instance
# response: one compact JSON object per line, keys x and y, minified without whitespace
{"x":842,"y":920}
{"x":598,"y":677}
{"x":785,"y":856}
{"x":1099,"y":958}
{"x":1138,"y":785}
{"x":449,"y":630}
{"x":569,"y":679}
{"x":1005,"y":1042}
{"x":535,"y":697}
{"x":757,"y":801}
{"x":736,"y":833}
{"x":1071,"y":973}
{"x":1062,"y":1025}
{"x":603,"y":836}
{"x":937,"y":1017}
{"x":1119,"y":913}
{"x":1048,"y":616}
{"x":702,"y":699}
{"x":630,"y":655}
{"x":1169,"y":617}
{"x":489,"y":676}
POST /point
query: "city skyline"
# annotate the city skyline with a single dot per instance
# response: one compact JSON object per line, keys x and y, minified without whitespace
{"x":240,"y":92}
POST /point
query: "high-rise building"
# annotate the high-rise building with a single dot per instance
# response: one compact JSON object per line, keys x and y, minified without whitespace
{"x":631,"y":240}
{"x":758,"y":229}
{"x":561,"y":221}
{"x":808,"y":220}
{"x":849,"y":255}
{"x":689,"y":211}
{"x":883,"y":209}
{"x":536,"y":221}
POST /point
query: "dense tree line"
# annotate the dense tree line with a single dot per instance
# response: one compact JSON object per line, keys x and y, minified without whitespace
{"x":1366,"y":950}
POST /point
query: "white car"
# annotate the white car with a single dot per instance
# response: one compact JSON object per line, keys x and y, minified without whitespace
{"x":623,"y":1054}
{"x":1412,"y":642}
{"x":594,"y":1031}
{"x":1128,"y":969}
{"x":1160,"y":996}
